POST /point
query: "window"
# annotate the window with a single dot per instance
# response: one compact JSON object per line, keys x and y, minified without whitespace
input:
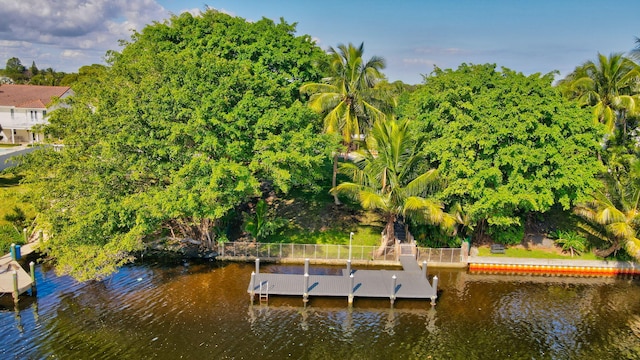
{"x":34,"y":115}
{"x":44,"y":113}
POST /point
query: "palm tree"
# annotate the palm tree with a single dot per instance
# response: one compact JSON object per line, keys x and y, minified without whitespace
{"x":610,"y":86}
{"x":613,"y":216}
{"x":348,"y":97}
{"x":385,"y":178}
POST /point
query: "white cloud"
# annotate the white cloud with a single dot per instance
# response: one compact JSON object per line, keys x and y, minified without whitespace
{"x":71,"y":54}
{"x":73,"y":28}
{"x":419,"y":61}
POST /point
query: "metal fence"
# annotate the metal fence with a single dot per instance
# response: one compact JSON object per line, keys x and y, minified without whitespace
{"x":443,"y":255}
{"x":274,"y":251}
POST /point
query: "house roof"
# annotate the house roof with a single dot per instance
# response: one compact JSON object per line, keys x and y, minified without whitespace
{"x":30,"y":96}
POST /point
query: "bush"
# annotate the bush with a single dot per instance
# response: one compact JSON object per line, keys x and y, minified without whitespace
{"x":9,"y":235}
{"x":507,"y":235}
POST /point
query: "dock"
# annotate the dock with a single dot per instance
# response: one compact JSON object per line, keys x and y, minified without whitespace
{"x":409,"y":283}
{"x":13,"y":278}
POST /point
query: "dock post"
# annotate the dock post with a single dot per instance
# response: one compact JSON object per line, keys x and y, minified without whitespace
{"x":13,"y":252}
{"x":305,"y":294}
{"x":16,"y":293}
{"x":350,"y":299}
{"x":424,"y":268}
{"x":24,"y":235}
{"x":435,"y":290}
{"x":257,"y":266}
{"x":306,"y":266}
{"x":393,"y":289}
{"x":32,"y":270}
{"x":349,"y":267}
{"x":252,"y":293}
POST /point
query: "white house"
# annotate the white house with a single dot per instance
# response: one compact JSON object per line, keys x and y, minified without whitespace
{"x":24,"y":106}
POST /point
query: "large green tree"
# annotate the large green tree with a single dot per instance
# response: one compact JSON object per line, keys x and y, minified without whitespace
{"x":506,"y":144}
{"x":386,"y":178}
{"x":182,"y":127}
{"x":610,"y":86}
{"x":348,"y":97}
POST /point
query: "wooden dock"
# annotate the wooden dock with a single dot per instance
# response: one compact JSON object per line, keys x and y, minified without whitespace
{"x":409,"y":283}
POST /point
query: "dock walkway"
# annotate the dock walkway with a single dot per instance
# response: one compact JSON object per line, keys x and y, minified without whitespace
{"x":409,"y":283}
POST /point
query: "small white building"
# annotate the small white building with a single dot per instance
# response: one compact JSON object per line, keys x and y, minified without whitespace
{"x":23,"y":107}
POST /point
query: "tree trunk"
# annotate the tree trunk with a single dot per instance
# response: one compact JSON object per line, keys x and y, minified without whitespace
{"x":335,"y":178}
{"x":390,"y":239}
{"x":606,"y":252}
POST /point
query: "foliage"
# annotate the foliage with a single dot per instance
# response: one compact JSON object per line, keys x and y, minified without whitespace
{"x":14,"y":69}
{"x":504,"y":143}
{"x":348,"y":97}
{"x":262,"y":224}
{"x":509,"y":235}
{"x":609,"y":86}
{"x":185,"y":124}
{"x":385,"y":179}
{"x":571,"y":241}
{"x":613,"y":215}
{"x":17,"y":218}
{"x":9,"y":235}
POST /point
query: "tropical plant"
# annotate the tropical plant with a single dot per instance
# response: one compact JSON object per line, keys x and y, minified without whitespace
{"x":386,"y":178}
{"x":610,"y":86}
{"x":348,"y":96}
{"x":570,"y":241}
{"x":262,"y":224}
{"x":613,"y":216}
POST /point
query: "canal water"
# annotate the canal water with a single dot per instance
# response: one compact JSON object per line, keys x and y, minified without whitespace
{"x":202,"y":311}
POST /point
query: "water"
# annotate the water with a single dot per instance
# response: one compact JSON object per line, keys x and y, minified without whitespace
{"x":202,"y":311}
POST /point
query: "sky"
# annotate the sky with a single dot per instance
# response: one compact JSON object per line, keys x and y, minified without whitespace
{"x":412,"y":36}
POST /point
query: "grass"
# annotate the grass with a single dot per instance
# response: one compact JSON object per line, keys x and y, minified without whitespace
{"x":363,"y":235}
{"x":518,"y":252}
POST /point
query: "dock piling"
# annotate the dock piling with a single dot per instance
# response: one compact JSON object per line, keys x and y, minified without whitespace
{"x":16,"y":292}
{"x":12,"y":250}
{"x":32,"y":270}
{"x":393,"y":288}
{"x":257,"y":266}
{"x":305,"y":294}
{"x":349,"y":267}
{"x":424,"y":268}
{"x":252,"y":294}
{"x":435,"y":290}
{"x":350,"y":289}
{"x":306,"y":266}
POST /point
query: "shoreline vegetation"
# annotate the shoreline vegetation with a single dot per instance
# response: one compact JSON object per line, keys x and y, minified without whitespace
{"x":208,"y":129}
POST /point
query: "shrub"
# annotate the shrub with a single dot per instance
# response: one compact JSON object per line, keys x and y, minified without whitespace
{"x":9,"y":235}
{"x":508,"y":235}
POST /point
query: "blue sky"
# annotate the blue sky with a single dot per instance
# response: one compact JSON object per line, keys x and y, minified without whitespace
{"x":413,"y":36}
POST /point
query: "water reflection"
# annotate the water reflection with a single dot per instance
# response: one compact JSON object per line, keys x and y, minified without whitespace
{"x":203,"y":311}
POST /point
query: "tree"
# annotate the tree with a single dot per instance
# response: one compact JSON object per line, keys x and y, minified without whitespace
{"x":504,"y":143}
{"x":181,"y":128}
{"x":14,"y":69}
{"x":609,"y":86}
{"x":348,"y":96}
{"x":612,"y":215}
{"x":385,"y":178}
{"x":33,"y":69}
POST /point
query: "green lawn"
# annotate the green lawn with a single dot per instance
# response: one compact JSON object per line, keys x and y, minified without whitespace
{"x":363,"y":235}
{"x":535,"y":254}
